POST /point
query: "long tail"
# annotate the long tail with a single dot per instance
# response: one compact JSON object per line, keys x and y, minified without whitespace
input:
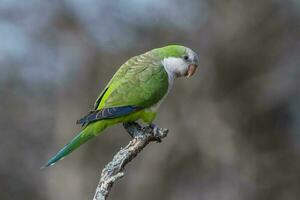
{"x":85,"y":135}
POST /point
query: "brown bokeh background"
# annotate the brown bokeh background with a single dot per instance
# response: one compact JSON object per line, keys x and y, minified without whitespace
{"x":234,"y":126}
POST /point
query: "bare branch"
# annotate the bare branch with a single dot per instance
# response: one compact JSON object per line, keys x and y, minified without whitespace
{"x":114,"y":169}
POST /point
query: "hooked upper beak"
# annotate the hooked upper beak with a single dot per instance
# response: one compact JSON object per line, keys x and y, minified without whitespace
{"x":191,"y":70}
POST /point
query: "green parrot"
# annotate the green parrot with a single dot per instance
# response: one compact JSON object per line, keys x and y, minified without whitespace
{"x":135,"y":92}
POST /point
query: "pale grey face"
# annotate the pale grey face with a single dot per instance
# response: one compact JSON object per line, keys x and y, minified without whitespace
{"x":191,"y":57}
{"x":182,"y":66}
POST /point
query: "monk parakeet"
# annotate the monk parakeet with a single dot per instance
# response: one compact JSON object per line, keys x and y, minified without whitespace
{"x":135,"y":92}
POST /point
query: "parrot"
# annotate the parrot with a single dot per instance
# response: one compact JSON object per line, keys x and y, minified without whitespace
{"x":135,"y":92}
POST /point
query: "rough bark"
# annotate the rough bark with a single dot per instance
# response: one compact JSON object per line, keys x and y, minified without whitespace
{"x":114,"y":169}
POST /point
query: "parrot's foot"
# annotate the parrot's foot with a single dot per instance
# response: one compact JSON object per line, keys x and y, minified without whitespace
{"x":153,"y":129}
{"x":156,"y":132}
{"x":126,"y":125}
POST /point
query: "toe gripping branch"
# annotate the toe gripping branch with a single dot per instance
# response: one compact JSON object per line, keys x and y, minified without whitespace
{"x":152,"y":131}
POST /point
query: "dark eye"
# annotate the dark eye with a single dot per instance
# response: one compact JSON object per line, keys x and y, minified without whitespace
{"x":185,"y":57}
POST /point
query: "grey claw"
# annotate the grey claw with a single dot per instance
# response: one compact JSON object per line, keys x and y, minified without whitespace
{"x":153,"y":126}
{"x":156,"y":132}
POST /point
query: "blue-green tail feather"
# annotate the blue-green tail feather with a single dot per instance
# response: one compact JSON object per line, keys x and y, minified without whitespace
{"x":71,"y":146}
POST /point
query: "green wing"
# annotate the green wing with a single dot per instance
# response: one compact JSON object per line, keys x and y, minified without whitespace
{"x":139,"y":83}
{"x":118,"y":75}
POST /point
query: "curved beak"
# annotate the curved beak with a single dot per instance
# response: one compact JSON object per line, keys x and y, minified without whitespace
{"x":191,"y":70}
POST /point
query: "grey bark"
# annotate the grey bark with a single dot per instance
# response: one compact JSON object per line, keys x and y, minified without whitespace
{"x":114,"y":169}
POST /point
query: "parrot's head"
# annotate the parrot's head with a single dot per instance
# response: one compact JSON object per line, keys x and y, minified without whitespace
{"x":179,"y":61}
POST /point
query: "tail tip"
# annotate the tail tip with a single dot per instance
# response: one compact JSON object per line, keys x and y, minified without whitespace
{"x":51,"y":162}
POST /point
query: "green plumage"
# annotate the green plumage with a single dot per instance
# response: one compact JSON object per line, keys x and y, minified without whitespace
{"x":141,"y":81}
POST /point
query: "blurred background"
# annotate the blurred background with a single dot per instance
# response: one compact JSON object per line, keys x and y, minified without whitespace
{"x":234,"y":126}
